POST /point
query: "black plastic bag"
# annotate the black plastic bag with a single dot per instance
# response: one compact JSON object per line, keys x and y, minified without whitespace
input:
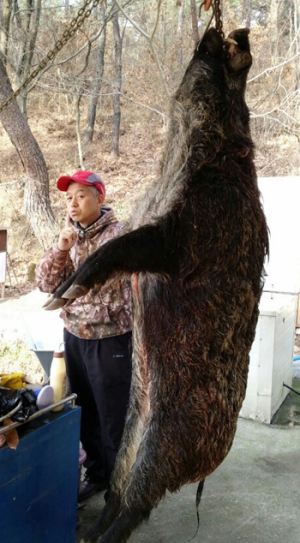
{"x":11,"y":399}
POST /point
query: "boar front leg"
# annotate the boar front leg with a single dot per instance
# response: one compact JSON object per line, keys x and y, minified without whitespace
{"x":146,"y":249}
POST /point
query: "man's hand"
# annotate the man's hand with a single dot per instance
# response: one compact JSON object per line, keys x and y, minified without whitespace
{"x":67,"y":238}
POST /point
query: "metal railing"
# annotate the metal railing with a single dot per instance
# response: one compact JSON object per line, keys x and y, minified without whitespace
{"x":71,"y":398}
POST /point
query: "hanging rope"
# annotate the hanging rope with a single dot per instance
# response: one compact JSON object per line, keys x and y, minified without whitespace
{"x":75,"y":24}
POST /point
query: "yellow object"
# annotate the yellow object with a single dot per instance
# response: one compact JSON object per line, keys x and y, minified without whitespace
{"x":12,"y":380}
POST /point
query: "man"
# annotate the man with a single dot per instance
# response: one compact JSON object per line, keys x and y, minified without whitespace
{"x":97,"y":332}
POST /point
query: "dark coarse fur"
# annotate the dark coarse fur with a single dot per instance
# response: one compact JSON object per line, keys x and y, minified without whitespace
{"x":195,"y":246}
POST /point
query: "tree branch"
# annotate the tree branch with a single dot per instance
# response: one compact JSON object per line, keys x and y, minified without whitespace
{"x":272,"y":68}
{"x":159,"y":2}
{"x":149,"y":40}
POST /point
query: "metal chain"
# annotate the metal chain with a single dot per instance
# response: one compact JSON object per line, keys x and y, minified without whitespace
{"x":75,"y":24}
{"x":216,"y":12}
{"x":218,"y":17}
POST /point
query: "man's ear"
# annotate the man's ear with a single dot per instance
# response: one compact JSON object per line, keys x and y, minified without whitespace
{"x":101,"y":199}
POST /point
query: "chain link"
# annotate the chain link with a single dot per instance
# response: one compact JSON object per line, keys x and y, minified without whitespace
{"x":216,"y":12}
{"x":218,"y":17}
{"x":82,"y":14}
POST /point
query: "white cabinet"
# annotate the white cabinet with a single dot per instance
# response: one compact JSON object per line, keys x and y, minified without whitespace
{"x":271,"y":357}
{"x":280,"y":199}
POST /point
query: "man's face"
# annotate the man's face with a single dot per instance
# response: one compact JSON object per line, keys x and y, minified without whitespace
{"x":83,"y":203}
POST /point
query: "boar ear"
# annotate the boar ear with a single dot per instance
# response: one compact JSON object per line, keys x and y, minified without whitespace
{"x":211,"y":44}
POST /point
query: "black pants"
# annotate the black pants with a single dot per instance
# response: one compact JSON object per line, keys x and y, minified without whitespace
{"x":99,"y":372}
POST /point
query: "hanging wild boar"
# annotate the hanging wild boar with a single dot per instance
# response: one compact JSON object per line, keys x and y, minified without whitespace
{"x":195,"y":248}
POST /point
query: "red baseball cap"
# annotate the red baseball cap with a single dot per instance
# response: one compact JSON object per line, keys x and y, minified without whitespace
{"x":84,"y":178}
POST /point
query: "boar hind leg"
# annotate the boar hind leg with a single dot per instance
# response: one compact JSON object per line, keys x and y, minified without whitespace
{"x":135,"y":421}
{"x":151,"y":476}
{"x":136,"y":509}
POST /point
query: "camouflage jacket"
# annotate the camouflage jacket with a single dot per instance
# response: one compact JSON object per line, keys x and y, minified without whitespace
{"x":103,"y":311}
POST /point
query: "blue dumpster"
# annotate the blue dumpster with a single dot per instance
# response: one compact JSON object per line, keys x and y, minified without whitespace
{"x":39,"y":480}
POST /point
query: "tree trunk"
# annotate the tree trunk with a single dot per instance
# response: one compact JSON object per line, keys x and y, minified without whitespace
{"x":273,"y":31}
{"x":246,"y":15}
{"x":297,"y":40}
{"x":91,"y":118}
{"x":32,"y":25}
{"x":194,"y":22}
{"x":4,"y":28}
{"x":37,"y":205}
{"x":79,"y":145}
{"x":179,"y":32}
{"x":17,"y":14}
{"x":117,"y":85}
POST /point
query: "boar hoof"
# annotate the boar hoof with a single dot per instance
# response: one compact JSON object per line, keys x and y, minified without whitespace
{"x":75,"y":291}
{"x":54,"y":303}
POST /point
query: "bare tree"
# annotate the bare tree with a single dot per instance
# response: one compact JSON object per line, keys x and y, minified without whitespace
{"x":117,"y":85}
{"x":97,"y":80}
{"x":79,"y":145}
{"x":194,"y":21}
{"x":29,"y":32}
{"x":150,"y":41}
{"x":297,"y":42}
{"x":4,"y":28}
{"x":37,"y":205}
{"x":179,"y":32}
{"x":274,"y":30}
{"x":246,"y":13}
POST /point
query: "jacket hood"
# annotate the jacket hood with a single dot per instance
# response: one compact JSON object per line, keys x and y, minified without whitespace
{"x":107,"y":217}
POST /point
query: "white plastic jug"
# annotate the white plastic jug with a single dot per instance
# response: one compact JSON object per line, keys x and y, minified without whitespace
{"x":58,"y":378}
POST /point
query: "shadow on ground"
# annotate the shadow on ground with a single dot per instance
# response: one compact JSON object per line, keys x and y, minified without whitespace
{"x":253,"y":496}
{"x":289,"y":412}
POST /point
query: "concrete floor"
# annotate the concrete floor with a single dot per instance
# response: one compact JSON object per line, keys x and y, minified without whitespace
{"x":254,"y":496}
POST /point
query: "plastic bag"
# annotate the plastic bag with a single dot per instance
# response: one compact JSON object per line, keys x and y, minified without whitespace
{"x":18,"y":405}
